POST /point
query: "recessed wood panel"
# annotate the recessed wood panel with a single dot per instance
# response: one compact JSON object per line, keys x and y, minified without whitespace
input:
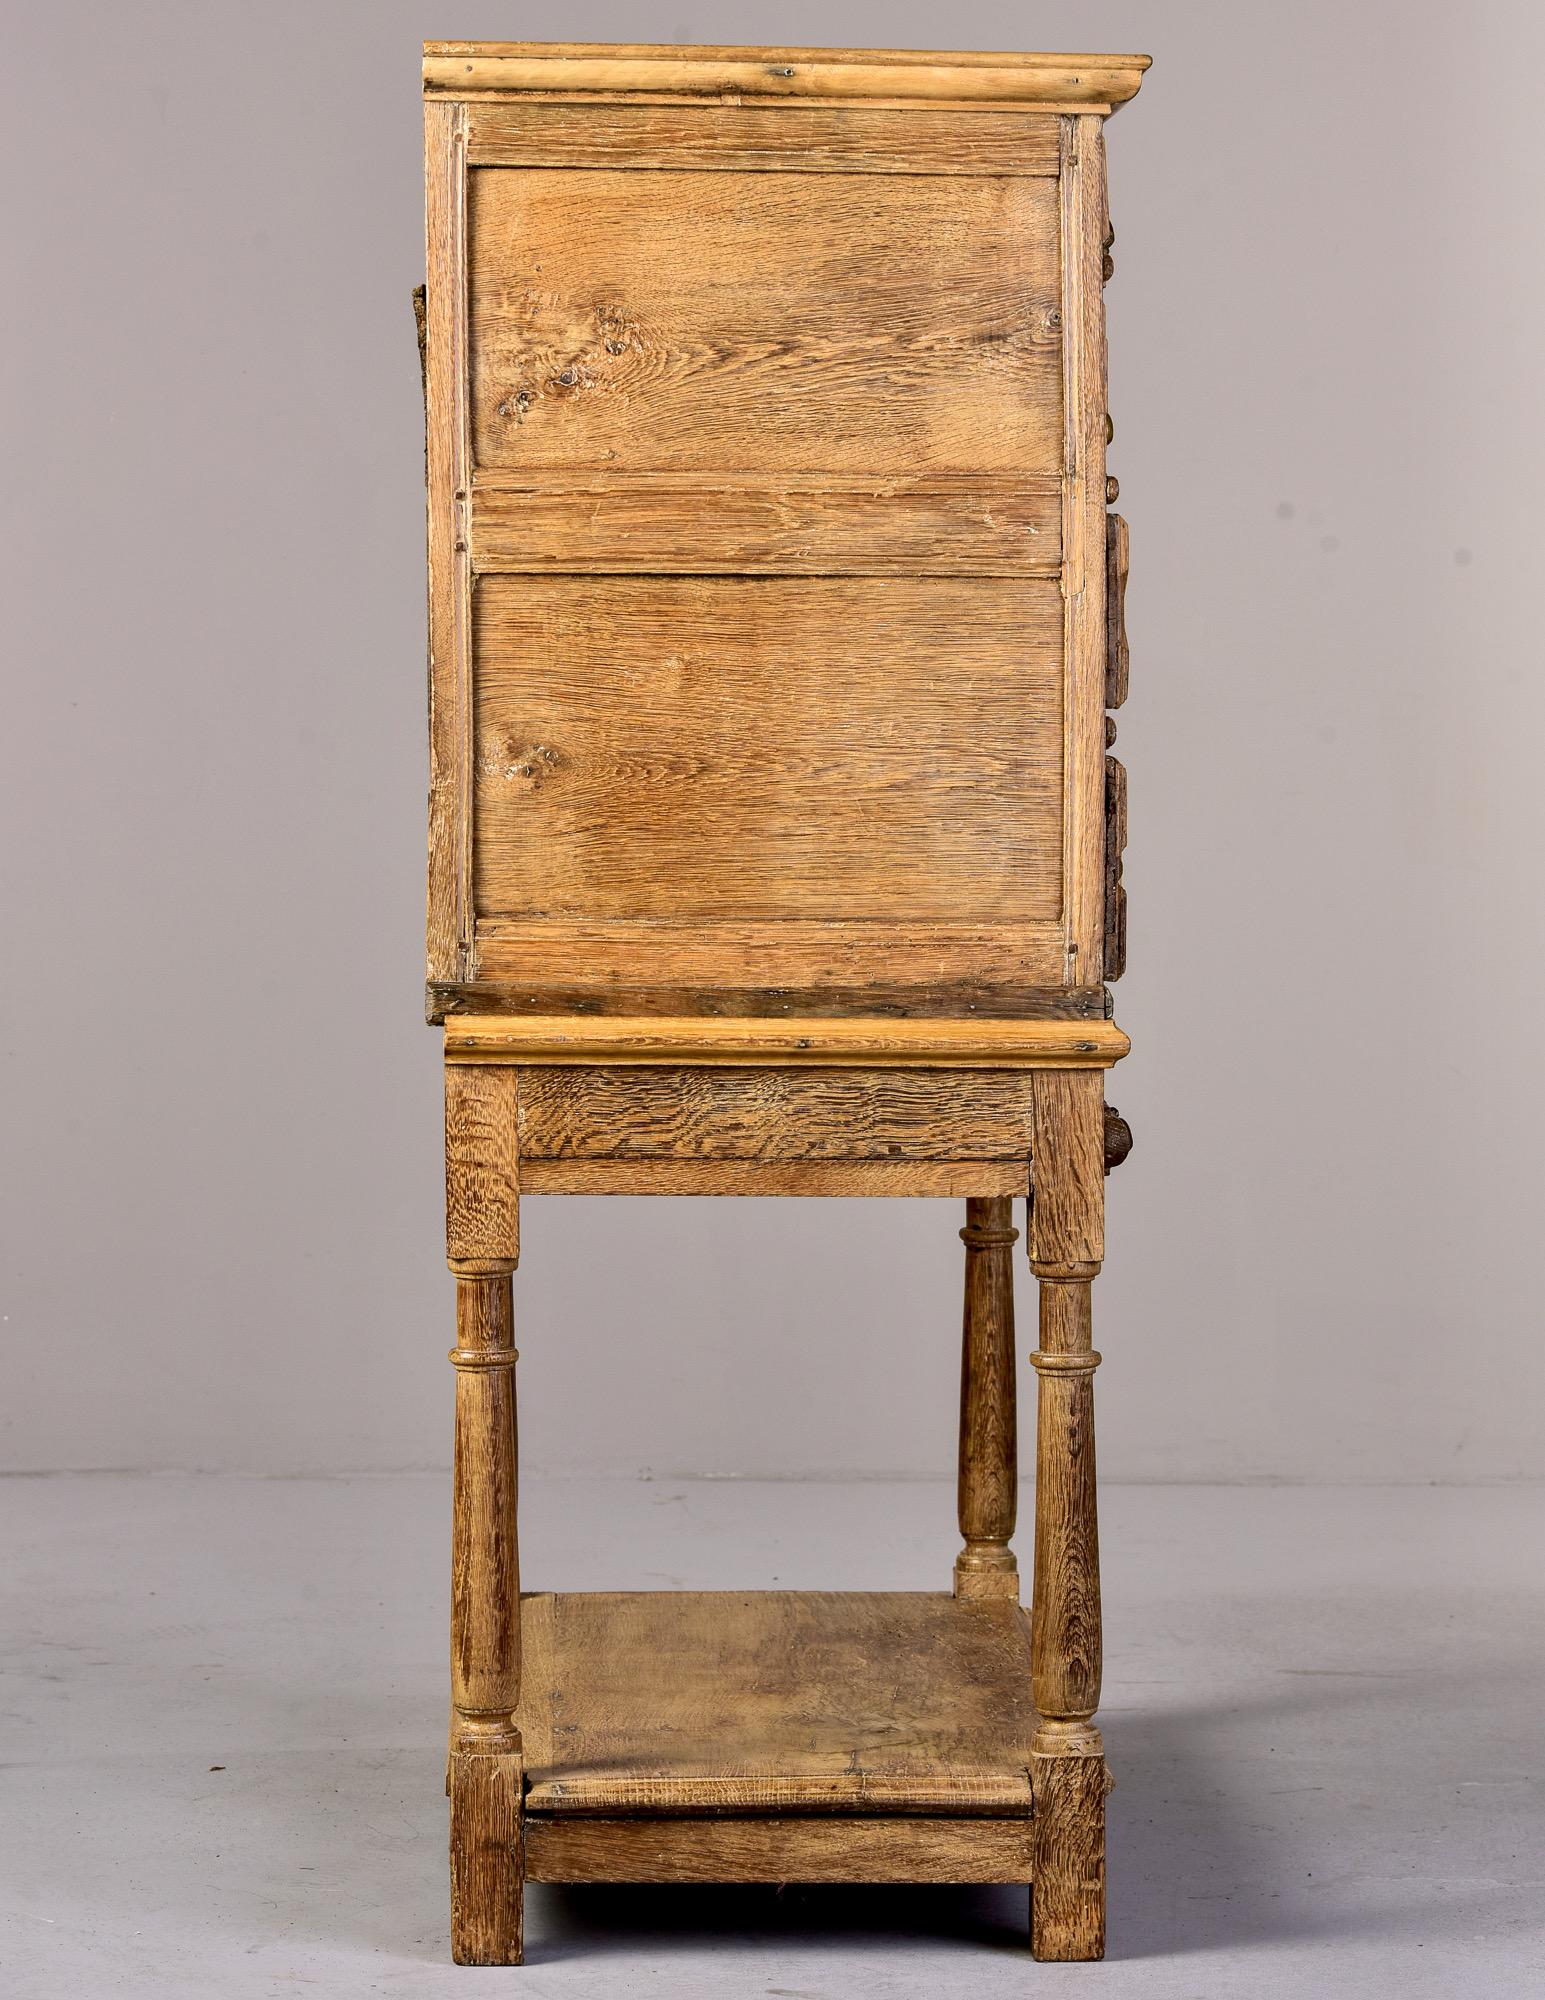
{"x":607,"y":959}
{"x":800,"y":525}
{"x":805,"y":138}
{"x":868,"y":1179}
{"x":695,"y":748}
{"x":787,"y":322}
{"x":595,"y":1113}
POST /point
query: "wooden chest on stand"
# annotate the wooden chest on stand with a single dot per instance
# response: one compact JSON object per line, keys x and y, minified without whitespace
{"x":775,"y":848}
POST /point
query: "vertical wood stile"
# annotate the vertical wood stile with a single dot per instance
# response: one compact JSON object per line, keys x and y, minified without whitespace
{"x":1067,"y":1755}
{"x":988,"y":1490}
{"x":1083,"y":540}
{"x":450,"y":574}
{"x":485,"y":1777}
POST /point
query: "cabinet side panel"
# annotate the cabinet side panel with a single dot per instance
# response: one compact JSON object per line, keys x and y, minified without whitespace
{"x":1083,"y":540}
{"x":447,"y":473}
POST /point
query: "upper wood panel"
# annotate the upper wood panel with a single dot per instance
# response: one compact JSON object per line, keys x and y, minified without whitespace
{"x":705,"y":321}
{"x":750,"y":138}
{"x":578,"y":69}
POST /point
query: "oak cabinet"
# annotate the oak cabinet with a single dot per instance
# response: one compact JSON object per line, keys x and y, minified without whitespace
{"x":775,"y":622}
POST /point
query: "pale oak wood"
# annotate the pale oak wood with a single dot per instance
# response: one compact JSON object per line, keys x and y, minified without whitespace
{"x":687,"y":356}
{"x":1055,"y":1045}
{"x":485,"y":1776}
{"x":448,"y":468}
{"x":482,"y":1170}
{"x":779,"y":1848}
{"x":806,"y":524}
{"x":783,"y":138}
{"x":616,"y":776}
{"x":883,"y":955}
{"x":1083,"y":540}
{"x":1067,"y":1244}
{"x":956,"y":1179}
{"x":987,"y":1498}
{"x":575,"y":68}
{"x":592,"y":1112}
{"x":683,"y":1702}
{"x":636,"y":321}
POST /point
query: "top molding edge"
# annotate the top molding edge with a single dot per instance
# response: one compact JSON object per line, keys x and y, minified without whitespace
{"x":1096,"y":83}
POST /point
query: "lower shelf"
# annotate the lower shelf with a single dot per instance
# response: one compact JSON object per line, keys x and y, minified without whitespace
{"x":775,"y":1736}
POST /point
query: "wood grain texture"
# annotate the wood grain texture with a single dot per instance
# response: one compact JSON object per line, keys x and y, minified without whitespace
{"x":1066,"y":1245}
{"x":482,"y":1170}
{"x":1066,"y":1048}
{"x":747,"y":138}
{"x":1118,"y":658}
{"x":987,"y":1495}
{"x":798,"y":525}
{"x":956,"y":1179}
{"x":1115,"y":960}
{"x":1065,"y":1619}
{"x":963,"y":1000}
{"x":1067,"y":1223}
{"x":1085,"y":419}
{"x":1067,"y":1896}
{"x":485,"y":1565}
{"x":634,"y":320}
{"x":610,"y":957}
{"x":600,"y":1113}
{"x":779,"y":1848}
{"x":775,"y":749}
{"x":448,"y":469}
{"x":571,"y":69}
{"x":683,"y":1702}
{"x":487,"y":1871}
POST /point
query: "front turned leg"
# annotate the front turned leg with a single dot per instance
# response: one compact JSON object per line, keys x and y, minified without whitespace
{"x":1068,"y":1777}
{"x":485,"y":1777}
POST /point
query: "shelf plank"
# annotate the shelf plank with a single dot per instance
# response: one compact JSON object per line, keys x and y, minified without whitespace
{"x":675,"y":1703}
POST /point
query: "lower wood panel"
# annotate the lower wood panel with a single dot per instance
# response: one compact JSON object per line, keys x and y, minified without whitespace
{"x":771,"y":749}
{"x":778,"y":1849}
{"x":590,"y":1112}
{"x":606,"y":957}
{"x":953,"y":1178}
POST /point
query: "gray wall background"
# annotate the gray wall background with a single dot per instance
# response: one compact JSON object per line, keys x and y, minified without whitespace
{"x":222,"y":1238}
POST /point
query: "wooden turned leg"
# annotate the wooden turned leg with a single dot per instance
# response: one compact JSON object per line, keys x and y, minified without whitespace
{"x":1068,"y":1778}
{"x":485,"y":1779}
{"x":988,"y":1493}
{"x":485,"y":1757}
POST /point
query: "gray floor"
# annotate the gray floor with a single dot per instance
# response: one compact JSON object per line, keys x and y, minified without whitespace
{"x":223,"y":1726}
